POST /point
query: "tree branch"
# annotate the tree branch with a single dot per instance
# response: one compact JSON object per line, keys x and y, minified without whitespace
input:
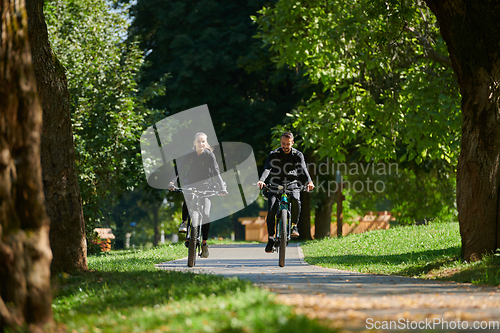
{"x":428,"y":49}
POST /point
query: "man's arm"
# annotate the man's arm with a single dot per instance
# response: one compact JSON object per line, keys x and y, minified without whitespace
{"x":302,"y":163}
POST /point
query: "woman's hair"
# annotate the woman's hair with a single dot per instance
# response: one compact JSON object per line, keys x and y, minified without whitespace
{"x":203,"y":134}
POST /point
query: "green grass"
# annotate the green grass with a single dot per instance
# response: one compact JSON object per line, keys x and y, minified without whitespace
{"x":484,"y":272}
{"x":124,"y":292}
{"x":430,"y":251}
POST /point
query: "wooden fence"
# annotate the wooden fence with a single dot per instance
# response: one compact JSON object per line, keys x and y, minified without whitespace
{"x":256,"y":228}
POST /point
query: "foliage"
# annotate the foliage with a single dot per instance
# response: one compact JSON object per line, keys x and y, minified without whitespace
{"x":209,"y":50}
{"x":396,"y":100}
{"x":107,"y":106}
{"x":93,"y":243}
{"x":134,"y":213}
{"x":412,"y":195}
{"x":124,"y":292}
{"x":389,"y":93}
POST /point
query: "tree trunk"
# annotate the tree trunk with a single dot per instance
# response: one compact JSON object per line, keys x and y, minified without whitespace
{"x":62,"y":193}
{"x":305,"y":216}
{"x":324,"y":216}
{"x":119,"y":233}
{"x":239,"y":230}
{"x":471,"y":30}
{"x":156,"y":236}
{"x":25,"y":294}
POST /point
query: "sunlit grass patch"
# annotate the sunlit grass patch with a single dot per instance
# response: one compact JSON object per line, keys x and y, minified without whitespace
{"x":427,"y":251}
{"x":407,"y":251}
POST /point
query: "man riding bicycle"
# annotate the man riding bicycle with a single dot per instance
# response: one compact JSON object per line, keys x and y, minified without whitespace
{"x":285,"y":165}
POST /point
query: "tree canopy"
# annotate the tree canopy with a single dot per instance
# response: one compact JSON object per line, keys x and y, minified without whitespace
{"x":107,"y":105}
{"x":209,"y":50}
{"x":391,"y":93}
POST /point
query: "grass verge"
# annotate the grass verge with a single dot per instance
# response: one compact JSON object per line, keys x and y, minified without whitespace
{"x":429,"y":251}
{"x":123,"y":292}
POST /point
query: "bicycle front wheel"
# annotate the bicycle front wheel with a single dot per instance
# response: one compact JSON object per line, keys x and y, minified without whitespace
{"x":283,"y":235}
{"x":193,"y":239}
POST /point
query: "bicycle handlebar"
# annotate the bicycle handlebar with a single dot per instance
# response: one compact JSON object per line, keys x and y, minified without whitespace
{"x":282,"y":187}
{"x":195,"y":191}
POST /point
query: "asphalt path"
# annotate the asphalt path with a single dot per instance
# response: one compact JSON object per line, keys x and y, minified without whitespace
{"x":349,"y":299}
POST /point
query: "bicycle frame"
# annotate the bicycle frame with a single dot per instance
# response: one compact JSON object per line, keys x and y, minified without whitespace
{"x":284,"y":204}
{"x":283,"y":225}
{"x":194,"y":233}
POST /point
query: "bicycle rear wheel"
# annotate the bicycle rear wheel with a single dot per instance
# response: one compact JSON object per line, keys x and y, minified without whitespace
{"x":193,"y":239}
{"x":283,"y":236}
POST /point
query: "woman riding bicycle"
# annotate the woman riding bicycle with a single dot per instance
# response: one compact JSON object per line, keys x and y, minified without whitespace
{"x":198,"y":167}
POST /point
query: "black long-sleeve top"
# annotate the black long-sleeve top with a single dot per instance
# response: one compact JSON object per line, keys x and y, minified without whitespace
{"x":194,"y":168}
{"x":281,"y":166}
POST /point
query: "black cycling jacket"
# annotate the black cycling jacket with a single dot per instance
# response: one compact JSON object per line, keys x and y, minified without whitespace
{"x":194,"y":168}
{"x":290,"y":167}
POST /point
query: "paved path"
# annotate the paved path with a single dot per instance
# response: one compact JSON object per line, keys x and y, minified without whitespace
{"x":350,"y":299}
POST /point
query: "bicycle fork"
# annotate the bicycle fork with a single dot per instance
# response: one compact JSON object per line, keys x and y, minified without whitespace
{"x":284,"y":204}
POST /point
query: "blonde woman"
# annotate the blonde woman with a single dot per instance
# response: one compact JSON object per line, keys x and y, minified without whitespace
{"x":199,"y":165}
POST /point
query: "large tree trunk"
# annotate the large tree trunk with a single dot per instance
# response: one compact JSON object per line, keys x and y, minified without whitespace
{"x":25,"y":294}
{"x":62,"y":193}
{"x":471,"y":30}
{"x":323,"y":217}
